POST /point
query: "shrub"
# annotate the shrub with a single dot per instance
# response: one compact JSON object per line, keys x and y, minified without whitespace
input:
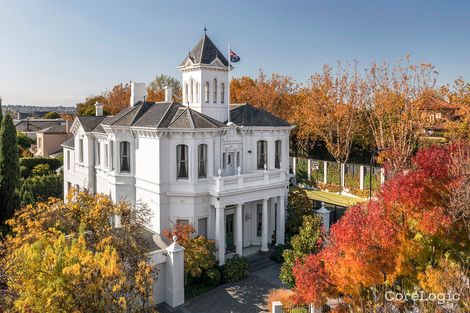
{"x":361,"y":193}
{"x":329,"y":187}
{"x":235,"y":269}
{"x":212,"y":277}
{"x":25,"y":171}
{"x":42,"y":170}
{"x":40,"y":188}
{"x":278,"y":251}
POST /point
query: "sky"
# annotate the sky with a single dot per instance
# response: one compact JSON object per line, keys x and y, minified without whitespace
{"x":57,"y":52}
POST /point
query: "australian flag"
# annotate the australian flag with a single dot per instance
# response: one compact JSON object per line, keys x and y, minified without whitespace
{"x":234,"y":58}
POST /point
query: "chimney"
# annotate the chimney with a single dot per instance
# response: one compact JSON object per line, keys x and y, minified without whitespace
{"x":99,"y":109}
{"x":168,"y":93}
{"x":138,"y":93}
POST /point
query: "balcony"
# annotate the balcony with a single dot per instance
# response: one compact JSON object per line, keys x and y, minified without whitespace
{"x":247,"y":181}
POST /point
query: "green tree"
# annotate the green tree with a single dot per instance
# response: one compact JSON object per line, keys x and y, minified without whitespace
{"x":156,"y":92}
{"x":87,"y":108}
{"x":9,"y":169}
{"x":52,"y":115}
{"x":306,"y":242}
{"x":26,"y":194}
{"x":23,"y":140}
{"x":298,"y":206}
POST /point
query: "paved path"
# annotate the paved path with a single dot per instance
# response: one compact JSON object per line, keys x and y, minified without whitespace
{"x":245,"y":296}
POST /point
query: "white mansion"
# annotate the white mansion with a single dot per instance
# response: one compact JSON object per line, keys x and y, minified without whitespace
{"x":190,"y":162}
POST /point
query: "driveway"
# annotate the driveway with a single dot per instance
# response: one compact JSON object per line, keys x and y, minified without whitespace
{"x":245,"y":296}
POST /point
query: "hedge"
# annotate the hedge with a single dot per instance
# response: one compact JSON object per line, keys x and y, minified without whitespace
{"x":27,"y":164}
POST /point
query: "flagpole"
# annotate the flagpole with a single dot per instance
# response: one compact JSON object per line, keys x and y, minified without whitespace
{"x":228,"y":87}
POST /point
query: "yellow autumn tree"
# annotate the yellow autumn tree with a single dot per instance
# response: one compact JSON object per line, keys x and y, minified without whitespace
{"x":66,"y":257}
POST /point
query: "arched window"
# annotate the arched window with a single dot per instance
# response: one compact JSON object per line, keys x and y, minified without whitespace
{"x":192,"y":90}
{"x":186,"y":93}
{"x":222,"y":93}
{"x":202,"y":161}
{"x":262,"y":154}
{"x":277,"y":153}
{"x":182,"y":161}
{"x":124,"y":152}
{"x":206,"y":96}
{"x":215,"y":91}
{"x":197,"y":93}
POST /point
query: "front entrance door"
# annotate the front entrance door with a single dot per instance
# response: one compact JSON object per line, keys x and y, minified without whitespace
{"x":229,"y":234}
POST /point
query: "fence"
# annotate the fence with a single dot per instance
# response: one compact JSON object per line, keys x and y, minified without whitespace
{"x":334,"y":176}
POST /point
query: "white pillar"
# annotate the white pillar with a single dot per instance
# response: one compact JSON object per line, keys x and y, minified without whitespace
{"x":382,"y":176}
{"x":239,"y":232}
{"x":309,"y":169}
{"x":294,"y":166}
{"x":325,"y":215}
{"x":276,"y":307}
{"x":361,"y":177}
{"x":264,"y":234}
{"x":281,"y":220}
{"x":325,"y":172}
{"x":342,"y":167}
{"x":174,"y":276}
{"x":220,"y":232}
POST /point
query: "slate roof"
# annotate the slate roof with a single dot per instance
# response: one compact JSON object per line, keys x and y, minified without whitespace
{"x":248,"y":115}
{"x":205,"y":52}
{"x":99,"y":128}
{"x":162,"y":115}
{"x":90,"y":122}
{"x":69,"y":143}
{"x":56,"y":129}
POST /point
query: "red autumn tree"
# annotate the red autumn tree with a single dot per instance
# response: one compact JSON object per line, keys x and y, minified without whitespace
{"x":403,"y":238}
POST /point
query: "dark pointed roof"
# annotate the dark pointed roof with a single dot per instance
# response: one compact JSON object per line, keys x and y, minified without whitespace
{"x":90,"y":122}
{"x":69,"y":143}
{"x":248,"y":115}
{"x":205,"y":52}
{"x":162,"y":115}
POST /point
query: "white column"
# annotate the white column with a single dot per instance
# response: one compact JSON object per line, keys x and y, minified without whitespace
{"x":174,"y":276}
{"x":325,"y":172}
{"x":281,"y":220}
{"x":361,"y":177}
{"x":342,"y":167}
{"x":264,"y":234}
{"x":239,"y":232}
{"x":220,"y":232}
{"x":325,"y":215}
{"x":309,"y":169}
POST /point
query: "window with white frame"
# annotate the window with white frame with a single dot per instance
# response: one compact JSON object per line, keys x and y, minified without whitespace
{"x":197,"y":92}
{"x":202,"y":227}
{"x":98,"y":153}
{"x":222,"y":93}
{"x":277,"y":153}
{"x":202,"y":161}
{"x":182,"y":161}
{"x":206,"y":93}
{"x":80,"y":150}
{"x":106,"y":156}
{"x":215,"y":91}
{"x":68,"y":159}
{"x":262,"y":154}
{"x":124,"y":151}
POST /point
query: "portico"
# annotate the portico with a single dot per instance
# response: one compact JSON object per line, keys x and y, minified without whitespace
{"x":249,"y":223}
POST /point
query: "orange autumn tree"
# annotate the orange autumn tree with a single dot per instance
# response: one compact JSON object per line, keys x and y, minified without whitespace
{"x":330,"y":107}
{"x":118,"y":98}
{"x":199,"y":252}
{"x":404,"y":239}
{"x":277,"y":94}
{"x":393,"y":110}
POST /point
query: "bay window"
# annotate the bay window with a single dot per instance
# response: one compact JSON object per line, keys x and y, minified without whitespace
{"x":277,"y":154}
{"x":262,"y":154}
{"x":182,"y":161}
{"x":202,"y":161}
{"x":125,"y":149}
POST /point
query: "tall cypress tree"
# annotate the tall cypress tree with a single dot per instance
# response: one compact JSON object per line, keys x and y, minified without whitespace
{"x":9,"y":169}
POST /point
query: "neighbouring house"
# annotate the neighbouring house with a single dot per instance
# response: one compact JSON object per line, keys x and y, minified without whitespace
{"x":31,"y":126}
{"x":49,"y":140}
{"x":222,"y":169}
{"x":439,"y":113}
